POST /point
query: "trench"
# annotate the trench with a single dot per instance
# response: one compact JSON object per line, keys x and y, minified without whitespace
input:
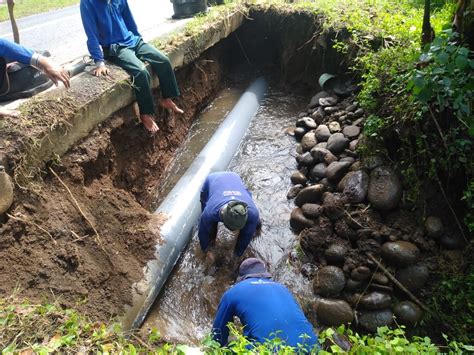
{"x":132,"y":173}
{"x":185,"y":309}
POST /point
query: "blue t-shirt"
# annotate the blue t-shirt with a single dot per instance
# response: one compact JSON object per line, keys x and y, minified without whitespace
{"x":218,"y":189}
{"x":266,"y":309}
{"x":15,"y":52}
{"x":107,"y":22}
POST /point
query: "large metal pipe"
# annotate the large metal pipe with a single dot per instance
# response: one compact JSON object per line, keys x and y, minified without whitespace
{"x":181,"y":208}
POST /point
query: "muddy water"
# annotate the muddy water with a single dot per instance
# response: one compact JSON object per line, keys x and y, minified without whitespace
{"x":185,"y":309}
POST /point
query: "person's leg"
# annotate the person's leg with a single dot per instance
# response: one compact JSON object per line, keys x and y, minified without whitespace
{"x":127,"y":59}
{"x":162,"y":67}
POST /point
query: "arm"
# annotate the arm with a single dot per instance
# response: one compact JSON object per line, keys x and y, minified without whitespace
{"x":207,"y":230}
{"x":246,"y":234}
{"x":15,"y":52}
{"x":204,"y":194}
{"x":129,"y":21}
{"x":24,"y":55}
{"x":90,"y":27}
{"x":224,"y":315}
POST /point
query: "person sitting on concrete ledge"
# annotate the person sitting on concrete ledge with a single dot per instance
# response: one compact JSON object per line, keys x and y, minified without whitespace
{"x":10,"y":51}
{"x":224,"y":198}
{"x":113,"y":34}
{"x":266,"y":309}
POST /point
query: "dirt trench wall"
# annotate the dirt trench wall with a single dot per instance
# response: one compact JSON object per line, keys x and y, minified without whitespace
{"x":84,"y":235}
{"x":291,"y":45}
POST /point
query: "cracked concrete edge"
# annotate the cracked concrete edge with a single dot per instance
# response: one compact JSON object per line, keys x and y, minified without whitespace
{"x":116,"y":96}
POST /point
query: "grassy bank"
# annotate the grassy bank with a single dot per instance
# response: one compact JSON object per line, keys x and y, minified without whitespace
{"x":47,"y":328}
{"x":30,"y":7}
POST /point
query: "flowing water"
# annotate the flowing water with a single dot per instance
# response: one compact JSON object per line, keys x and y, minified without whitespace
{"x":186,"y":307}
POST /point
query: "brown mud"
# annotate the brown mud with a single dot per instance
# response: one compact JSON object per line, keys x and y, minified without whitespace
{"x":87,"y":244}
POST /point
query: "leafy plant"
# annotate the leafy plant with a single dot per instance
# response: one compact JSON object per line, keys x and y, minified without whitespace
{"x":446,"y":79}
{"x":385,"y":341}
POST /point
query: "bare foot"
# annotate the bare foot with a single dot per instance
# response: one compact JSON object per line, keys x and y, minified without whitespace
{"x":169,"y":104}
{"x":149,"y":123}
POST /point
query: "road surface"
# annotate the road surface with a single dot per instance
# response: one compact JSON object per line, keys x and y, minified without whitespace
{"x":61,"y":32}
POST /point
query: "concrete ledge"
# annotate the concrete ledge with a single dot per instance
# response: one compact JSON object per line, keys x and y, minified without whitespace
{"x":56,"y":120}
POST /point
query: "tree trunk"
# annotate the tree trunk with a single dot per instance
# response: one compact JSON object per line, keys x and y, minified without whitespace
{"x":16,"y":34}
{"x":427,"y":32}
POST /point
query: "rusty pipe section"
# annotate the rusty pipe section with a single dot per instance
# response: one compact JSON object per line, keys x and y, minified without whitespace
{"x":181,"y":208}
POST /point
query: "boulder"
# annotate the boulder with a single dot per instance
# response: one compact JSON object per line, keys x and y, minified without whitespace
{"x":329,"y":281}
{"x":306,"y":122}
{"x":308,"y":141}
{"x":299,"y":132}
{"x":310,"y":194}
{"x":337,"y":143}
{"x":333,"y":206}
{"x":318,"y":172}
{"x":335,"y":253}
{"x":318,"y":154}
{"x":298,"y":220}
{"x":328,"y":101}
{"x":356,"y":186}
{"x":334,"y":312}
{"x":353,"y":145}
{"x":315,"y":99}
{"x":413,"y":277}
{"x":400,"y":253}
{"x":376,"y":300}
{"x":298,"y":178}
{"x":312,"y":210}
{"x":294,"y":191}
{"x":336,"y":170}
{"x":322,"y":133}
{"x":305,"y":159}
{"x":351,"y":131}
{"x":371,"y":320}
{"x":318,"y":115}
{"x":407,"y":313}
{"x":361,"y":273}
{"x":385,"y":189}
{"x":334,"y":127}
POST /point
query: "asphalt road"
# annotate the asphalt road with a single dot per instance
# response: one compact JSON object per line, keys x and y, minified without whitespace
{"x":61,"y":32}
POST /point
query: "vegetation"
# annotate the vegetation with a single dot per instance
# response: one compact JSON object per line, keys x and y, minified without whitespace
{"x":30,"y":7}
{"x":48,"y":328}
{"x":385,"y":341}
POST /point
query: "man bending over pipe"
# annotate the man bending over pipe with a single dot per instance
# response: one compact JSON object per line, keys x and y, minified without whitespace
{"x":113,"y":34}
{"x":224,"y":198}
{"x":265,"y":308}
{"x":15,"y":52}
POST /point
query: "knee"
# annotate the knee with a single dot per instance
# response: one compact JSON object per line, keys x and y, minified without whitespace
{"x":141,"y":73}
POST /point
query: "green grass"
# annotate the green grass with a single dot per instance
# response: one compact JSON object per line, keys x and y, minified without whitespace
{"x":30,"y":7}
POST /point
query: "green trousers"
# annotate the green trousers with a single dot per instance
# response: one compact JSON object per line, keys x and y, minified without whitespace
{"x":132,"y":60}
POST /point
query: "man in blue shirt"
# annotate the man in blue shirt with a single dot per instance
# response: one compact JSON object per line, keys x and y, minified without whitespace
{"x":224,"y":198}
{"x":10,"y":51}
{"x":266,"y":310}
{"x":112,"y":34}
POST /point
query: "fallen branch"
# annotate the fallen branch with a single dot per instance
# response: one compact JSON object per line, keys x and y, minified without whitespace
{"x":17,"y":218}
{"x":407,"y":292}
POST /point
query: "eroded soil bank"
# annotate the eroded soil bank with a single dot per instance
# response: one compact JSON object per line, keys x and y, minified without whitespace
{"x":84,"y":235}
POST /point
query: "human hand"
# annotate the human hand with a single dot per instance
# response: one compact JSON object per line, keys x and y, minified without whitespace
{"x":54,"y":71}
{"x":102,"y":70}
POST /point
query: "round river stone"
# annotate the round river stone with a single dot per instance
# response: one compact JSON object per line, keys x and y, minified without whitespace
{"x":407,"y":313}
{"x":334,"y":312}
{"x":400,"y":253}
{"x":329,"y":280}
{"x":373,"y":319}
